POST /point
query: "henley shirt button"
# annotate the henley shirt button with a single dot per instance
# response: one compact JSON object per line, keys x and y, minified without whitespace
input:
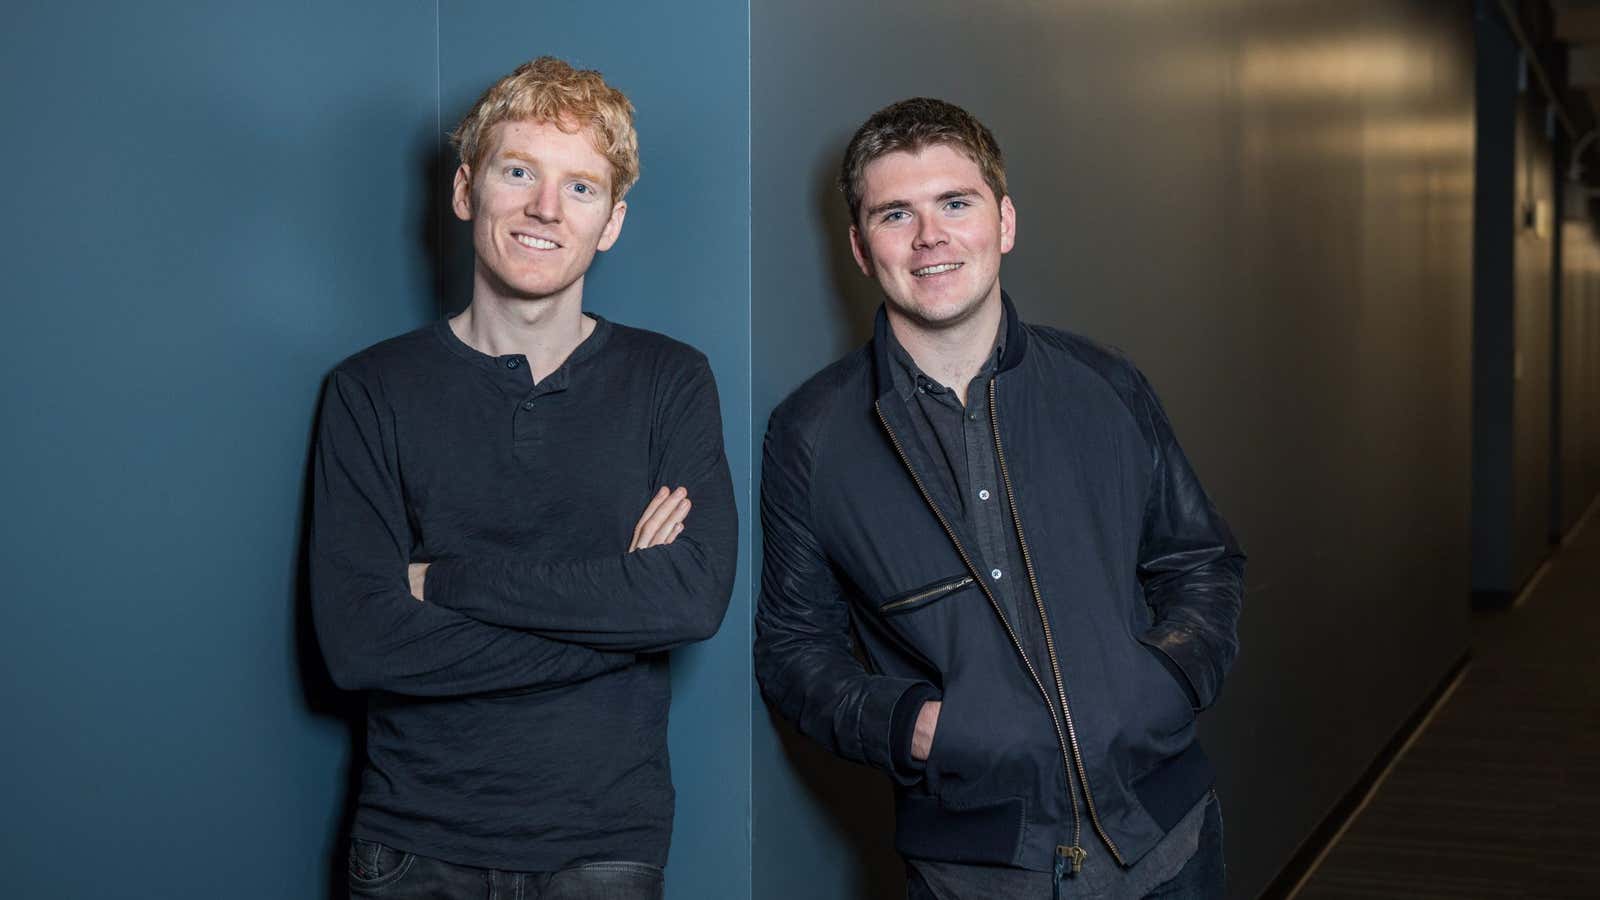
{"x":983,"y":494}
{"x":995,"y":574}
{"x":511,"y":363}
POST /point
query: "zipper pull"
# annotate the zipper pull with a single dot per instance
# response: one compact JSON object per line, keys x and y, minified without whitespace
{"x":1064,"y":853}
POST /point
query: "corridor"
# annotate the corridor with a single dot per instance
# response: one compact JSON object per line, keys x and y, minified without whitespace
{"x":1499,"y":796}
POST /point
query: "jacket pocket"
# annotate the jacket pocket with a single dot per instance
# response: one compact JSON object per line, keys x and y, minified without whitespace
{"x":922,"y":596}
{"x":1181,"y":710}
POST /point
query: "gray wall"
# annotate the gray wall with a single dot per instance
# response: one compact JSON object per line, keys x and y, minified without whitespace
{"x":1269,"y":207}
{"x":1580,"y":372}
{"x":212,"y":204}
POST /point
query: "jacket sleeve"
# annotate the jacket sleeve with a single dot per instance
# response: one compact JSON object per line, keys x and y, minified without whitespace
{"x":803,"y":656}
{"x":646,"y":601}
{"x":1190,"y":566}
{"x":374,"y":634}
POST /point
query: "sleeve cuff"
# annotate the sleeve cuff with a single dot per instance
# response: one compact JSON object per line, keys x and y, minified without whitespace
{"x":436,"y":584}
{"x":903,"y":727}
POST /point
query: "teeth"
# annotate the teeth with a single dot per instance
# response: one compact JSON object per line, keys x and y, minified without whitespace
{"x":535,"y":243}
{"x":935,"y":270}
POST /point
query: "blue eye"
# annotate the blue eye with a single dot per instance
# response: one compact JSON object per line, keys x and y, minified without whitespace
{"x":894,"y":215}
{"x":517,"y":172}
{"x":581,"y":188}
{"x":958,"y":204}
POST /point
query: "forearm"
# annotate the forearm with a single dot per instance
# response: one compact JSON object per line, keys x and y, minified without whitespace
{"x":646,"y":601}
{"x":378,"y":637}
{"x":821,"y":687}
{"x":374,"y":634}
{"x":1196,"y":624}
{"x":649,"y":600}
{"x":1190,"y":565}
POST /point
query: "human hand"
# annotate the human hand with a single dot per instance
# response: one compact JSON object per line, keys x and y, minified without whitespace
{"x":922,"y":735}
{"x":417,"y":574}
{"x":662,"y":521}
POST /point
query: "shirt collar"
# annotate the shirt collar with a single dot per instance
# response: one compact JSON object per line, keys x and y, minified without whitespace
{"x":906,"y":372}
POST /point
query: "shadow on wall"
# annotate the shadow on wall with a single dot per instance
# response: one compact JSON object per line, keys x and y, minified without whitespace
{"x":855,"y":296}
{"x":858,"y":804}
{"x":322,"y":698}
{"x":855,"y":801}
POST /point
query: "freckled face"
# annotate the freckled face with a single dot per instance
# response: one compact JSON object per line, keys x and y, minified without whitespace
{"x":540,"y":207}
{"x":931,"y":233}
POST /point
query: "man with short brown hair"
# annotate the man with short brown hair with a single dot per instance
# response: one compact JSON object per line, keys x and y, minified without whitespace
{"x":1043,"y":594}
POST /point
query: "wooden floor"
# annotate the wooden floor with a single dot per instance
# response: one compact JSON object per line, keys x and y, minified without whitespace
{"x":1500,"y":795}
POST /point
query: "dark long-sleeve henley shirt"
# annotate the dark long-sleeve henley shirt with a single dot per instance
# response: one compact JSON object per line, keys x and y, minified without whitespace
{"x":517,"y":718}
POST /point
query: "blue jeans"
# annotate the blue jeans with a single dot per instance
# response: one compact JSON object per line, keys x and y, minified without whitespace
{"x":377,"y":870}
{"x":1201,"y":878}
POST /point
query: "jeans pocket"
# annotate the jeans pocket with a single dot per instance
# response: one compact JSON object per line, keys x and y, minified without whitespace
{"x":610,"y":879}
{"x":374,"y":865}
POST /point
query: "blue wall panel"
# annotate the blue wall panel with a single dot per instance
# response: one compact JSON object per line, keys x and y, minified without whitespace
{"x":682,"y":267}
{"x":210,"y":205}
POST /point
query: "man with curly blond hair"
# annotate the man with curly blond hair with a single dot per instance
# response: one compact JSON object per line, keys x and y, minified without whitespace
{"x":502,"y":551}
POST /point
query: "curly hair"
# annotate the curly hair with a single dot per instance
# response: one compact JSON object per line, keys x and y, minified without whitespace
{"x":549,"y":90}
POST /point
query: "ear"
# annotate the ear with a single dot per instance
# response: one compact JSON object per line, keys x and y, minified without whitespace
{"x":858,"y":249}
{"x":461,"y":193}
{"x":608,"y":234}
{"x":1008,"y":225}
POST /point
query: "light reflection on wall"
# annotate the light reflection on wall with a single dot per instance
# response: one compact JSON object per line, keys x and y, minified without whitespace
{"x":1372,"y":64}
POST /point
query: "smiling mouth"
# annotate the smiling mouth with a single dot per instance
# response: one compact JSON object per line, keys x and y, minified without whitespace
{"x":535,"y":243}
{"x":930,"y":271}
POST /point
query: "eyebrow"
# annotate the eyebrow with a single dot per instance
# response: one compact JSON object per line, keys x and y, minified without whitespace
{"x":906,"y":204}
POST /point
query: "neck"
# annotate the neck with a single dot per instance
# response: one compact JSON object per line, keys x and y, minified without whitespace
{"x":546,"y":330}
{"x":954,"y":353}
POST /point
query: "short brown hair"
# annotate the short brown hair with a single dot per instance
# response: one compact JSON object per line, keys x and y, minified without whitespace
{"x":549,"y":90}
{"x":910,"y":126}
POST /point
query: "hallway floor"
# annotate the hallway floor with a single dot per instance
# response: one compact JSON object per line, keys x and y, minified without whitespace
{"x":1500,"y":795}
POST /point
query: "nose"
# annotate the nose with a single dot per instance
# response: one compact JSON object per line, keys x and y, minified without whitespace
{"x":930,"y":233}
{"x":545,"y":203}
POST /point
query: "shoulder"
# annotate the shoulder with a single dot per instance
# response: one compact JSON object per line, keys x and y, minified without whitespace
{"x":809,"y":406}
{"x":642,"y":346}
{"x":1088,"y":358}
{"x":415,"y":350}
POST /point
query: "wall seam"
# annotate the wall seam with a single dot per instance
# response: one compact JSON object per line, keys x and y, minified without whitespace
{"x":752,"y":503}
{"x":442,"y":164}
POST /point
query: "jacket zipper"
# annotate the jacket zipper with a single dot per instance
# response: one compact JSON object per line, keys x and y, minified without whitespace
{"x":924,"y":595}
{"x":1050,"y":647}
{"x":1075,"y":852}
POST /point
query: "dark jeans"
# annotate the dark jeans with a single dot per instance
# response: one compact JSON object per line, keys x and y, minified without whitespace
{"x":1201,"y":878}
{"x":380,"y":871}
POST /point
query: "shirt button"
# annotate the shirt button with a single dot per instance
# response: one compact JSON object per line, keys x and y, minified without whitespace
{"x":511,"y":363}
{"x":983,"y":494}
{"x":995,"y":574}
{"x":527,"y":404}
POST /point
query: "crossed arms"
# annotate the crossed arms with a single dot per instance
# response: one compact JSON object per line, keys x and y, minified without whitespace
{"x":505,"y":622}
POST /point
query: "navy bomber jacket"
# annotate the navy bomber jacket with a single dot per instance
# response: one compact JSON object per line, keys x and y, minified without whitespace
{"x":1137,"y":581}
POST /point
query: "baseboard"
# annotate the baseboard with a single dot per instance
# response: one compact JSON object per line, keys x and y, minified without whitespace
{"x":1338,"y":818}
